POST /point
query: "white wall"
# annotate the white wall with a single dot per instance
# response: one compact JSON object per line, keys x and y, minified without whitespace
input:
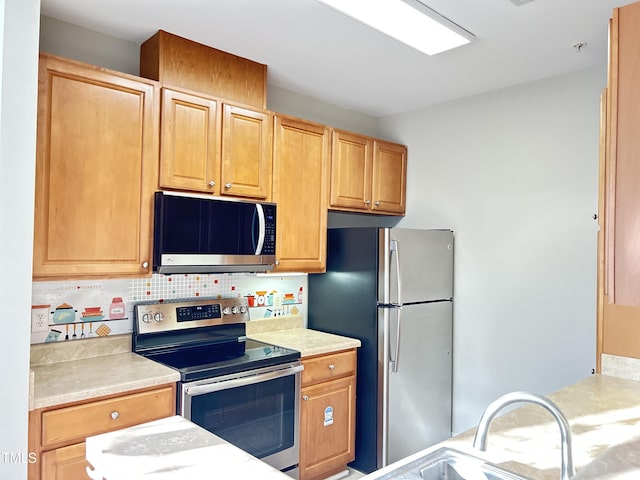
{"x":292,"y":103}
{"x":514,"y":173}
{"x":18,"y":76}
{"x":71,"y":41}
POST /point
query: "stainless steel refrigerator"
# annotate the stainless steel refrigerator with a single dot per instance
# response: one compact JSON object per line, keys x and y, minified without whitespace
{"x":392,"y":288}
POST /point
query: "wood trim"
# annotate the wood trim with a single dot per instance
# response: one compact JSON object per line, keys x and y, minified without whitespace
{"x":611,"y":152}
{"x":601,"y":265}
{"x":621,"y":330}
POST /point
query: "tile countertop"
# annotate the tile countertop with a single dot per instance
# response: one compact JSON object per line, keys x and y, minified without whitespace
{"x":604,"y":415}
{"x":69,"y":375}
{"x":171,"y":448}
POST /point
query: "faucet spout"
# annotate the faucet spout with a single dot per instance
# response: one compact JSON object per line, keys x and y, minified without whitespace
{"x":480,"y":439}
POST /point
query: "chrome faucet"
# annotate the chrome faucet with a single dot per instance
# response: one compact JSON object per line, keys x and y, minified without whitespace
{"x":480,"y":439}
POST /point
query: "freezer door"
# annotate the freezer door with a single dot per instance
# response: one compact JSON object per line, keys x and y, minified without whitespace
{"x":416,"y":405}
{"x":415,"y":265}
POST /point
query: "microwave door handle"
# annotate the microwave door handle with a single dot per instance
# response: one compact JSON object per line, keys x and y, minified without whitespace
{"x":261,"y":228}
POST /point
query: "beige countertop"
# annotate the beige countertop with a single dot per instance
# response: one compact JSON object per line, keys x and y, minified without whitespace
{"x":85,"y":369}
{"x":172,"y":448}
{"x":307,"y":342}
{"x":603,"y":412}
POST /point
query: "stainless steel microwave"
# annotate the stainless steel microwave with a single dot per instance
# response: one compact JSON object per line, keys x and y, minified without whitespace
{"x":203,"y":234}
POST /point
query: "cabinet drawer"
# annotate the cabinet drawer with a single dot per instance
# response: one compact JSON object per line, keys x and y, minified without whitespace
{"x":80,"y":421}
{"x":328,"y":367}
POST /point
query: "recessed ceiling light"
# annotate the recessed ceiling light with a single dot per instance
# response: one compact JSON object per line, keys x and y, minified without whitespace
{"x":409,"y":21}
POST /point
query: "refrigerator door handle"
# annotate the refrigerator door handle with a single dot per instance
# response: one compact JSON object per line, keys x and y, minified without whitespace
{"x":395,"y":254}
{"x":396,"y":356}
{"x":394,"y":247}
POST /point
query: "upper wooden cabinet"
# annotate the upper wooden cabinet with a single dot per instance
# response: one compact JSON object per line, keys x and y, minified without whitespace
{"x":246,"y":152}
{"x":190,"y":142}
{"x":208,"y":146}
{"x":351,"y":160}
{"x":300,"y":181}
{"x":619,"y":255}
{"x":95,"y":171}
{"x":177,"y":61}
{"x":389,"y":182}
{"x":367,"y":174}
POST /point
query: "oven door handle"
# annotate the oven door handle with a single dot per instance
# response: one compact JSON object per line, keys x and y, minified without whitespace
{"x":239,"y":382}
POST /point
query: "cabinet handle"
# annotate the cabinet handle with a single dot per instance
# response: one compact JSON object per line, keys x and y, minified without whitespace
{"x":367,"y":202}
{"x":227,"y":185}
{"x":305,"y":397}
{"x":377,"y":202}
{"x":332,"y":366}
{"x":115,"y":415}
{"x":145,"y":264}
{"x":212,"y":183}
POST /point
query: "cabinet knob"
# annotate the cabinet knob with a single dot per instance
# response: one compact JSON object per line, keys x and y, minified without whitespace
{"x":227,"y":185}
{"x":145,"y":264}
{"x":115,"y":415}
{"x":332,"y":366}
{"x":377,"y":202}
{"x":212,"y":183}
{"x":305,"y":397}
{"x":367,"y":202}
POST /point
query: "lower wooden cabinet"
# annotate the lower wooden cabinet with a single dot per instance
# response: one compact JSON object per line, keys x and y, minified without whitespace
{"x":57,"y":434}
{"x":64,"y":463}
{"x":327,"y":414}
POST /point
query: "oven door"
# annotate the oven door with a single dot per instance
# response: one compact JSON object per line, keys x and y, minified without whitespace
{"x":257,"y":411}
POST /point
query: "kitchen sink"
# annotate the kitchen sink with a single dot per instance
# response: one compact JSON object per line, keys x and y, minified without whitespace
{"x":450,"y":464}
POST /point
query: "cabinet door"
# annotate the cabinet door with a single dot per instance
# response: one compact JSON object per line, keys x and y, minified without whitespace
{"x":327,"y":426}
{"x":95,"y":171}
{"x":300,"y":184}
{"x":246,"y":153}
{"x":351,"y":163}
{"x":189,"y":148}
{"x":621,"y":302}
{"x":67,"y":463}
{"x":389,"y":177}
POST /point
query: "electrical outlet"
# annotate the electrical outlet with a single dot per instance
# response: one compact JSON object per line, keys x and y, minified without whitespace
{"x":39,"y":319}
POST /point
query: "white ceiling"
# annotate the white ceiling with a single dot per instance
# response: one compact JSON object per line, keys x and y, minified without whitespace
{"x":314,"y":50}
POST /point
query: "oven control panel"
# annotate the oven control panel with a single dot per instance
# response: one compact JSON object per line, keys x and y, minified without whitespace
{"x":179,"y":315}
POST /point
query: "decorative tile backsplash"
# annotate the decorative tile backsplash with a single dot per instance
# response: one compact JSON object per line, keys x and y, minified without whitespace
{"x":74,"y":310}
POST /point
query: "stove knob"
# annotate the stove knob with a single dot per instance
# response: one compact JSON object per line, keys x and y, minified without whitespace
{"x":158,"y":317}
{"x":243,"y":309}
{"x":226,"y":310}
{"x":234,"y":310}
{"x":146,"y":318}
